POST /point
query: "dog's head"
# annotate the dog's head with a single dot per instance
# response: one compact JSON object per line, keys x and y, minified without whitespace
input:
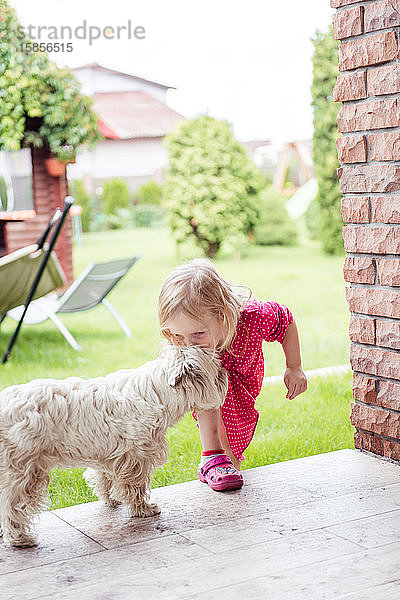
{"x":199,"y":374}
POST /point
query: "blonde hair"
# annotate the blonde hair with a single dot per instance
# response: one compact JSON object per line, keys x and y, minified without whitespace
{"x":196,"y":289}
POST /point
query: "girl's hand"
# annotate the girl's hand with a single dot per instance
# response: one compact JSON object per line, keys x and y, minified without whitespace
{"x":295,"y":381}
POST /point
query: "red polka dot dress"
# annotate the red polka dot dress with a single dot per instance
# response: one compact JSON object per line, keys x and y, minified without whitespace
{"x":245,"y":365}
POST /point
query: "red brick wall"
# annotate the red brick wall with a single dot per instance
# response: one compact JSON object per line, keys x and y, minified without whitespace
{"x":49,"y":193}
{"x":369,"y":151}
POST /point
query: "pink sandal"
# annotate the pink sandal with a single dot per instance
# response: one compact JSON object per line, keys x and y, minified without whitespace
{"x":220,"y":474}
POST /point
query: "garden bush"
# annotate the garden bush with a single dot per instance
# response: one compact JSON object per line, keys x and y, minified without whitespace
{"x":148,"y":215}
{"x":149,"y":193}
{"x":115,"y":196}
{"x":275,"y":226}
{"x":120,"y":219}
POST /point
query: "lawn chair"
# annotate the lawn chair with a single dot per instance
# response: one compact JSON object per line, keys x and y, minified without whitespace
{"x":17,"y":274}
{"x":31,"y":272}
{"x":89,"y":290}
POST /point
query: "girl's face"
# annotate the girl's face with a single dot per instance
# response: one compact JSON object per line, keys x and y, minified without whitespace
{"x":189,"y":332}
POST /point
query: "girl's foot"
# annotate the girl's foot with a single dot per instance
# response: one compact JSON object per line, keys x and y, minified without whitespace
{"x":220,"y":474}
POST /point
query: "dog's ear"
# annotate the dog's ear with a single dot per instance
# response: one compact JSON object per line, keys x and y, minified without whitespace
{"x":179,"y":366}
{"x":183,"y":363}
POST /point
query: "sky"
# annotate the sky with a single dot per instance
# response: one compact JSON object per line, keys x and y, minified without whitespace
{"x":248,"y":62}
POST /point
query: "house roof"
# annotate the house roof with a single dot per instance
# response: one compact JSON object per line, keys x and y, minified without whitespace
{"x":107,"y":70}
{"x":254,"y":144}
{"x":128,"y":115}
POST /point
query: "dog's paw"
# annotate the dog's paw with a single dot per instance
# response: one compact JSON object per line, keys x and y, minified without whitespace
{"x":153,"y":509}
{"x":112,"y":502}
{"x":145,"y":510}
{"x":22,"y":541}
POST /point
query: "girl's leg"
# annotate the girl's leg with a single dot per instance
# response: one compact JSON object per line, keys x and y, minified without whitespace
{"x":209,"y":428}
{"x":213,"y":434}
{"x":227,"y":447}
{"x":214,"y":468}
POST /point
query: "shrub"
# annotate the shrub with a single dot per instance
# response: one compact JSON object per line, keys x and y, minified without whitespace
{"x":82,"y":199}
{"x":274,"y":227}
{"x":211,"y":189}
{"x":149,"y":193}
{"x":120,"y":219}
{"x":115,"y":196}
{"x":148,"y":215}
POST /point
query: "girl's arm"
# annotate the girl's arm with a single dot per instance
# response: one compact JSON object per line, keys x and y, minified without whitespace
{"x":294,"y":378}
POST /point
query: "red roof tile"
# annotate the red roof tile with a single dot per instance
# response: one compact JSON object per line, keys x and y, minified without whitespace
{"x":127,"y":115}
{"x":106,"y":130}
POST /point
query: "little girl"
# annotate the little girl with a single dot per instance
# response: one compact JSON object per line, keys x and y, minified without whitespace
{"x":198,"y":307}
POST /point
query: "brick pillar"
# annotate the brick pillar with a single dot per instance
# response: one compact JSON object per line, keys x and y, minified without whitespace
{"x":48,"y":194}
{"x":369,"y":151}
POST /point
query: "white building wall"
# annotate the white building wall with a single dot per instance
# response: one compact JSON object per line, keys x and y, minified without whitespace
{"x":120,"y":158}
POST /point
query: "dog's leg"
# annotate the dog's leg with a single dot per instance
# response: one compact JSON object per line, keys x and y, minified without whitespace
{"x":21,"y":497}
{"x":102,"y":485}
{"x":131,"y":484}
{"x":136,"y":497}
{"x":104,"y":490}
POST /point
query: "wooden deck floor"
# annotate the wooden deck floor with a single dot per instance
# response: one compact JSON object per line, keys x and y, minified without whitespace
{"x":316,"y":528}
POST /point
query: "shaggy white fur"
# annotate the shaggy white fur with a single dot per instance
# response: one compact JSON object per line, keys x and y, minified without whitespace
{"x":115,"y":425}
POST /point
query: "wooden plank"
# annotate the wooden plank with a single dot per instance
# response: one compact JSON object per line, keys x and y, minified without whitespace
{"x":208,"y":574}
{"x":228,"y":545}
{"x":365,"y":576}
{"x":58,"y":541}
{"x":99,"y":568}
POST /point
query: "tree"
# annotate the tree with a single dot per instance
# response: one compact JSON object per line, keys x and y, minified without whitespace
{"x":211,"y":188}
{"x":325,"y":72}
{"x":40,"y":103}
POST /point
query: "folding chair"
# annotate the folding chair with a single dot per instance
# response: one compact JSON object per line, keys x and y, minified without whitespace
{"x":30,"y":272}
{"x":17,"y":274}
{"x":86,"y":292}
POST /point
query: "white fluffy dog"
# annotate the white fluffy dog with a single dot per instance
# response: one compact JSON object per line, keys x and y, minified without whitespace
{"x":114,"y":424}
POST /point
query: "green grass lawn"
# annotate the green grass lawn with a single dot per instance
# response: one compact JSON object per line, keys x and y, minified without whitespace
{"x":302,"y":277}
